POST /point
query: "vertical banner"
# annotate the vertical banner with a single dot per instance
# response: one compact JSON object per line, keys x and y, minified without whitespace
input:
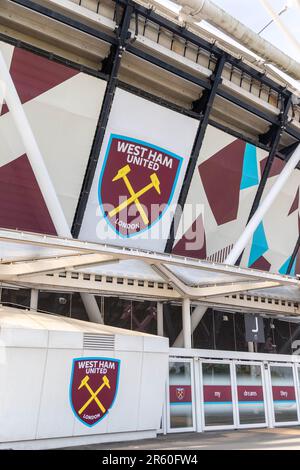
{"x":139,"y":175}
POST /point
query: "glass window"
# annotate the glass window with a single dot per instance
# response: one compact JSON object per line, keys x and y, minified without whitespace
{"x":144,"y":317}
{"x":295,"y":337}
{"x":284,"y":397}
{"x":172,"y":321}
{"x":250,"y":394}
{"x":203,"y":337}
{"x":117,"y":312}
{"x":18,"y":298}
{"x":217,"y":394}
{"x":132,"y":315}
{"x":180,"y":393}
{"x":77,"y":308}
{"x":239,"y":332}
{"x":58,"y":303}
{"x":282,"y":336}
{"x":224,"y":331}
{"x":269,"y":346}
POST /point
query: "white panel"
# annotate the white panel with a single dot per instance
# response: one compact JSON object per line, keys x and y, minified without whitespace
{"x":65,"y":339}
{"x":156,"y":344}
{"x":129,"y":343}
{"x":124,"y":414}
{"x":139,"y":119}
{"x":153,"y":380}
{"x":11,"y":145}
{"x":56,"y":418}
{"x":21,"y":380}
{"x":24,"y":337}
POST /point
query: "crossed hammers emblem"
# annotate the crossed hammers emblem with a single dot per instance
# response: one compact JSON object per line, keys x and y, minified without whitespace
{"x":94,"y":395}
{"x":134,"y":196}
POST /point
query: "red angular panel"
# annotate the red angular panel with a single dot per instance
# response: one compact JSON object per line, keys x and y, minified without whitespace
{"x":262,"y":264}
{"x":193,"y":242}
{"x":34,"y":75}
{"x":221,"y":177}
{"x":22,"y":205}
{"x":276,"y":168}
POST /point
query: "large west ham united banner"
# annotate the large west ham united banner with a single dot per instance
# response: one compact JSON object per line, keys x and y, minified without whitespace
{"x":139,"y":175}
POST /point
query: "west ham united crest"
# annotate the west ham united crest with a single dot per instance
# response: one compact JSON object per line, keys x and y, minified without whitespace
{"x":93,"y":387}
{"x":136,"y":184}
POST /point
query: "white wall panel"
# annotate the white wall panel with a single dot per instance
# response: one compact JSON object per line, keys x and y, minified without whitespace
{"x":21,"y":380}
{"x":56,"y":418}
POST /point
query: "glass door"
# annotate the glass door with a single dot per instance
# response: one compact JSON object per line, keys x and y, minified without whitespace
{"x":181,"y":406}
{"x":284,"y":402}
{"x":250,"y":395}
{"x":217,"y":397}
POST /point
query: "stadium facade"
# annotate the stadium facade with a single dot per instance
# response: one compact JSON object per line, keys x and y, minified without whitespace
{"x":150,"y":185}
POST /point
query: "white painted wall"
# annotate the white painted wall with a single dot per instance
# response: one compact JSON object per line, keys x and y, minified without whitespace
{"x":35,"y":377}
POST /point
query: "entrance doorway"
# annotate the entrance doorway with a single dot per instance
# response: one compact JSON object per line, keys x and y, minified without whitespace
{"x":208,"y":393}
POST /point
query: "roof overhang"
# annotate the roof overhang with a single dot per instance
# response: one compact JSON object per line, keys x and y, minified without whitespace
{"x":48,"y":262}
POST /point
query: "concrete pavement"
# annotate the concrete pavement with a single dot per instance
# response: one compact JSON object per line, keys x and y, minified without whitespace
{"x":250,"y":439}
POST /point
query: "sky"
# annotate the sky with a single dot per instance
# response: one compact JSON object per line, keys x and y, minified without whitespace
{"x":253,"y":14}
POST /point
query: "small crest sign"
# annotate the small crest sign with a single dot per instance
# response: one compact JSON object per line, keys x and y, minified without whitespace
{"x":93,"y":387}
{"x":180,"y":393}
{"x":136,"y":184}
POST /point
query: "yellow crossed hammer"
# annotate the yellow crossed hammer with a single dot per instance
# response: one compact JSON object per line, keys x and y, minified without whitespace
{"x":84,"y":383}
{"x":134,"y":197}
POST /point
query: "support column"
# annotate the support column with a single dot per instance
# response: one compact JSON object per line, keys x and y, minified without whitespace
{"x":160,"y":319}
{"x":34,"y":297}
{"x":92,"y":309}
{"x":203,"y":106}
{"x":186,"y":323}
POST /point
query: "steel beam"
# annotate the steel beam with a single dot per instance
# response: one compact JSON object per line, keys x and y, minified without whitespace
{"x":123,"y":253}
{"x":216,"y":79}
{"x":122,"y":38}
{"x":66,"y":20}
{"x":193,"y":38}
{"x":196,"y":293}
{"x":275,"y":134}
{"x":168,"y":67}
{"x":183,"y":33}
{"x":280,"y":127}
{"x":51,"y":56}
{"x":29,"y":268}
{"x":247,"y":107}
